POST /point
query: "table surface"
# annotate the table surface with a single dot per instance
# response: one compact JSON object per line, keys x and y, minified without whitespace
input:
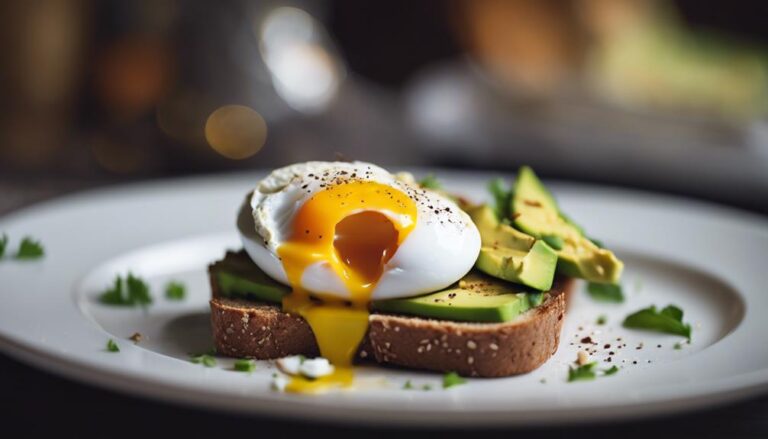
{"x":41,"y":402}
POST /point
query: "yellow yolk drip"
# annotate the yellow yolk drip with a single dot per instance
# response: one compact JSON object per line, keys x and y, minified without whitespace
{"x":343,"y":227}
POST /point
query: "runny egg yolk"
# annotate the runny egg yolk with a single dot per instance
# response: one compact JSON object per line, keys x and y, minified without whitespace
{"x":355,"y":228}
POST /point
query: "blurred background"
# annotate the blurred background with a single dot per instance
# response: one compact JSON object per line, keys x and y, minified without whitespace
{"x":661,"y":95}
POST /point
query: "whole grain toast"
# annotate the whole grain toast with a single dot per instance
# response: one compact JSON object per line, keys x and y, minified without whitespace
{"x":251,"y":329}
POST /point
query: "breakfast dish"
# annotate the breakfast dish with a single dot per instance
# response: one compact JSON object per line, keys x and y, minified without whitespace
{"x":346,"y":262}
{"x":703,"y":258}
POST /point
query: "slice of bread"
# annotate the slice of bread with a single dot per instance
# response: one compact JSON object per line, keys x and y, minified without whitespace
{"x":250,"y":329}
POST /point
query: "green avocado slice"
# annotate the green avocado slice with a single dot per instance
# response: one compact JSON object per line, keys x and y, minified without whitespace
{"x":536,"y":213}
{"x":237,"y":276}
{"x":512,"y":255}
{"x":475,"y":298}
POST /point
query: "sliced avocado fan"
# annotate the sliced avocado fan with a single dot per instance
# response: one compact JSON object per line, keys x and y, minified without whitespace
{"x":535,"y":212}
{"x":512,"y":255}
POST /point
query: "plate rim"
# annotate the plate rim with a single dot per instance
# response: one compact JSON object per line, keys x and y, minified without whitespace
{"x":104,"y":377}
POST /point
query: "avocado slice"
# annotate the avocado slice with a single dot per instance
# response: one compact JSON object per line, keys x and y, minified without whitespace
{"x":535,"y":212}
{"x":512,"y":255}
{"x":475,"y":298}
{"x":238,"y":276}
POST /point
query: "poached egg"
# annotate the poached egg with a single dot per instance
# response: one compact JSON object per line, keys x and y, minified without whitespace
{"x":343,"y":234}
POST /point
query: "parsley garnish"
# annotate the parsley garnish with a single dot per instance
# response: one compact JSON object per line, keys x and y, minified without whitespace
{"x":204,"y":359}
{"x":668,"y":320}
{"x":582,"y":373}
{"x":129,"y":292}
{"x":244,"y":365}
{"x":175,"y":291}
{"x":602,"y":319}
{"x":112,"y":346}
{"x":430,"y":182}
{"x":408,"y":385}
{"x":605,"y":292}
{"x":597,"y":242}
{"x":452,"y":379}
{"x":3,"y":244}
{"x":426,"y":387}
{"x":29,"y":249}
{"x":553,"y":241}
{"x":678,"y":346}
{"x":610,"y":371}
{"x":502,"y":198}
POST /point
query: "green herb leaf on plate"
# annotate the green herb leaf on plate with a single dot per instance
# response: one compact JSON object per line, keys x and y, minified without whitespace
{"x":29,"y":249}
{"x":204,"y":359}
{"x":426,"y":387}
{"x":430,"y":182}
{"x":669,"y":320}
{"x":502,"y":197}
{"x":610,"y":371}
{"x":3,"y":244}
{"x":175,"y":291}
{"x":678,"y":346}
{"x":129,"y":292}
{"x":408,"y":385}
{"x":244,"y":365}
{"x":452,"y":379}
{"x":582,"y":373}
{"x":112,"y":346}
{"x":602,"y":319}
{"x":605,"y":292}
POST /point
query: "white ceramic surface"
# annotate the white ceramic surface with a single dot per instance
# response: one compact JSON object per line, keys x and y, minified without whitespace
{"x":708,"y":260}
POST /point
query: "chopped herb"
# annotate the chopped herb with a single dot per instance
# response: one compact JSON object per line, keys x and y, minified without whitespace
{"x":29,"y":249}
{"x":112,"y":346}
{"x":204,"y":359}
{"x":553,"y":241}
{"x":129,"y":292}
{"x":582,"y":373}
{"x":452,"y":379}
{"x":605,"y":292}
{"x":408,"y":385}
{"x":135,"y":337}
{"x":597,"y":242}
{"x":302,"y":359}
{"x":430,"y":182}
{"x":502,"y":198}
{"x":610,"y":371}
{"x":678,"y":346}
{"x":426,"y":387}
{"x":175,"y":291}
{"x":3,"y":244}
{"x":602,"y":319}
{"x":668,"y":320}
{"x":245,"y":365}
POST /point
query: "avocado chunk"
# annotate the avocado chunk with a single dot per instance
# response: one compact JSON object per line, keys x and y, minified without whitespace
{"x":536,"y":213}
{"x":512,"y":255}
{"x":237,"y":276}
{"x":475,"y":298}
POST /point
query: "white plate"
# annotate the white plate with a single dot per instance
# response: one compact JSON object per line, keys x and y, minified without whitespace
{"x":708,"y":260}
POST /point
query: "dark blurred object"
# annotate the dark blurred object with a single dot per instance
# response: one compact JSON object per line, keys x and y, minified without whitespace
{"x":655,"y":94}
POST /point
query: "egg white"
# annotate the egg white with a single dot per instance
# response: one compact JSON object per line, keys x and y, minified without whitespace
{"x":440,"y":249}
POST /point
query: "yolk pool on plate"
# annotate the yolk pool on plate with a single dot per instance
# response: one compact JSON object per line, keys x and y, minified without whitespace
{"x":345,"y":227}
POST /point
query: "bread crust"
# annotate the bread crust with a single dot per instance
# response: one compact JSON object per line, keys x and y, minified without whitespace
{"x":249,"y":329}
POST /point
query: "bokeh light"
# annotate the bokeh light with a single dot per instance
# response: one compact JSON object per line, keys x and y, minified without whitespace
{"x":236,"y":131}
{"x":305,"y":72}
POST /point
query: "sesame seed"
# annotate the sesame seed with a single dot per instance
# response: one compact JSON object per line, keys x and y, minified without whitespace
{"x":470,"y":360}
{"x":493,"y":346}
{"x":471,"y":344}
